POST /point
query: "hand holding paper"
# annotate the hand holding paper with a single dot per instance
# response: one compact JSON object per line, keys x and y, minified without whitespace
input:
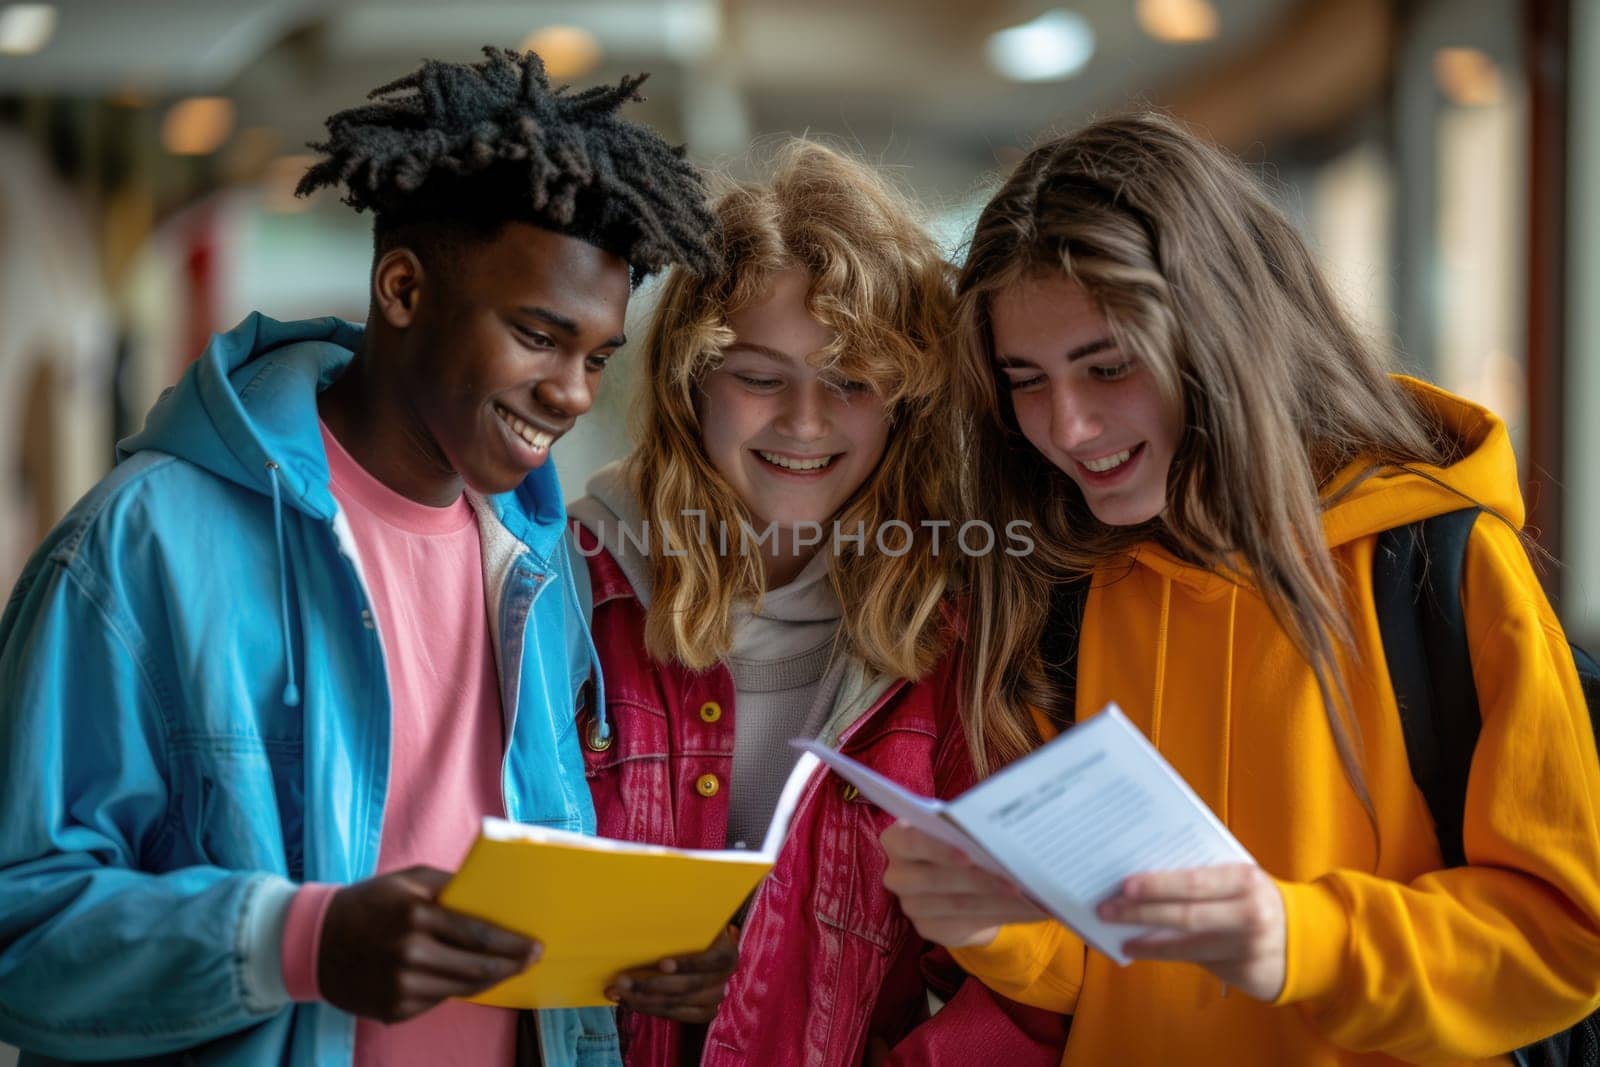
{"x":1228,"y":919}
{"x":949,"y":899}
{"x":1069,"y":822}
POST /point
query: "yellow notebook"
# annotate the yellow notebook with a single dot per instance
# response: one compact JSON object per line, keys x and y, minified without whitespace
{"x":601,"y":906}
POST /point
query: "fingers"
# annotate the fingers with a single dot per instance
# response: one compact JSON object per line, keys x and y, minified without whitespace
{"x":934,"y":891}
{"x":946,"y":897}
{"x":476,"y":936}
{"x":1241,"y":900}
{"x":426,"y":955}
{"x":428,"y":881}
{"x":910,"y":877}
{"x":1229,"y":920}
{"x":423,"y":990}
{"x":1193,"y":883}
{"x":1192,"y":948}
{"x":720,"y":958}
{"x":904,"y":842}
{"x":1193,"y":916}
{"x":677,"y":1011}
{"x":462,"y":931}
{"x":652,"y":981}
{"x":684,"y":998}
{"x":682,"y":988}
{"x":667,"y":986}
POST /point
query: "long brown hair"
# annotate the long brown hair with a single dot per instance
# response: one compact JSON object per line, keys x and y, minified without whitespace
{"x":1205,"y":282}
{"x":879,"y":281}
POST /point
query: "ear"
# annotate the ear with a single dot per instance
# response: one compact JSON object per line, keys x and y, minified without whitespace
{"x":397,"y":282}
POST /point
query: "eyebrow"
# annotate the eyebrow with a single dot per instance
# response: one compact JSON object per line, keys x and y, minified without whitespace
{"x":568,"y":325}
{"x":761,"y":350}
{"x":1088,"y":348}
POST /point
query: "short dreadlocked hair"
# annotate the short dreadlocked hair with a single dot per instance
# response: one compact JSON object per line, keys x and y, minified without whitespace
{"x":457,"y":150}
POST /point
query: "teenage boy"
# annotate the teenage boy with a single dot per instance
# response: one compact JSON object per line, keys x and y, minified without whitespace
{"x":320,"y":620}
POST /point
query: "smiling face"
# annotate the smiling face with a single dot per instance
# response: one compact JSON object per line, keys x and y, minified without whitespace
{"x":504,"y":348}
{"x":793,"y":442}
{"x":1091,"y":409}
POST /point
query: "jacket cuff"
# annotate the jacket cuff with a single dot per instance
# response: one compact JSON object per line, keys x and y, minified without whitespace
{"x":266,"y":906}
{"x":1317,"y":930}
{"x":301,"y":938}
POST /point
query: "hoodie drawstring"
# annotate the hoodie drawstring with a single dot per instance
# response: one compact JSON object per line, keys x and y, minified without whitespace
{"x":1227,"y":703}
{"x":291,"y":691}
{"x":602,"y":724}
{"x":1161,"y":661}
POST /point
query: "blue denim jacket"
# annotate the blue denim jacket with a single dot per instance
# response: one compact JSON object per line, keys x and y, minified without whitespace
{"x":194,"y":717}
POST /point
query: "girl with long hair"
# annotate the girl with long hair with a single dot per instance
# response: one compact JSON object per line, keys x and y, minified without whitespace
{"x":765,"y":566}
{"x":1164,"y":387}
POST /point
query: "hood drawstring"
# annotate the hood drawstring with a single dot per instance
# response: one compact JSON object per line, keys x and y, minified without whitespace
{"x":601,"y":729}
{"x":1227,"y":703}
{"x":1161,"y":661}
{"x":291,"y":691}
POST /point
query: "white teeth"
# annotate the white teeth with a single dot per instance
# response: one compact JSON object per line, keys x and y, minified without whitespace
{"x":537,"y":440}
{"x":796,"y":464}
{"x":1100,"y":466}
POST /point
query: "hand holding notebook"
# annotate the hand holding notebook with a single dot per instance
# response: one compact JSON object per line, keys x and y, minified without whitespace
{"x":600,"y":907}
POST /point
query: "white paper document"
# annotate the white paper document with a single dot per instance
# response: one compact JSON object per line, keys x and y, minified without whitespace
{"x":1068,"y":822}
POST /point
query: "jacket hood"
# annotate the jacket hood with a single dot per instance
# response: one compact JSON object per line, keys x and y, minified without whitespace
{"x":610,"y":506}
{"x":246,"y":411}
{"x":1485,"y":475}
{"x":250,"y":401}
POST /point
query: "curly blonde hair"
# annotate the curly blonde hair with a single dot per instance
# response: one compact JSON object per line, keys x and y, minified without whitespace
{"x":880,"y":283}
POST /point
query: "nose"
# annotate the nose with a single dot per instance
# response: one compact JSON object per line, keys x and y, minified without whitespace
{"x":804,"y":416}
{"x":1074,"y":417}
{"x":565,"y":392}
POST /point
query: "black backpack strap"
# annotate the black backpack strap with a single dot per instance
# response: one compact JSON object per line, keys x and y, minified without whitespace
{"x":1416,"y":586}
{"x":1589,"y":678}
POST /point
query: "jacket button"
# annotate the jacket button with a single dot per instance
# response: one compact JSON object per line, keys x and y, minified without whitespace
{"x":366,"y":618}
{"x":849,"y":792}
{"x":707,"y":785}
{"x":710,"y":711}
{"x":592,"y":739}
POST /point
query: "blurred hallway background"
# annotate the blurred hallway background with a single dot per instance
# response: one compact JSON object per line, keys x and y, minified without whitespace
{"x":1436,"y":153}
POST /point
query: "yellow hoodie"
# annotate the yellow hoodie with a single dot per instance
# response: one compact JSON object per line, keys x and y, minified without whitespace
{"x":1389,"y":956}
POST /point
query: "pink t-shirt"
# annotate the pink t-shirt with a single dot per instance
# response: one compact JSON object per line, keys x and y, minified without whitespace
{"x":424,"y":569}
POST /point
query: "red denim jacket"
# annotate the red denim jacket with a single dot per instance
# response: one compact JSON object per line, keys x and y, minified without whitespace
{"x":827,"y":959}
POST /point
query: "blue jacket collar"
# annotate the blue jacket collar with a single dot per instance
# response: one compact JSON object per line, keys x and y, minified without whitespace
{"x":250,"y":401}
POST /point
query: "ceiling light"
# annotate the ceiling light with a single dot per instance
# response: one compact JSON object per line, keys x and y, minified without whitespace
{"x":690,"y":29}
{"x":1053,"y":46}
{"x":1178,"y":21}
{"x":1467,"y":77}
{"x":197,"y":126}
{"x":568,"y":51}
{"x":26,"y":28}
